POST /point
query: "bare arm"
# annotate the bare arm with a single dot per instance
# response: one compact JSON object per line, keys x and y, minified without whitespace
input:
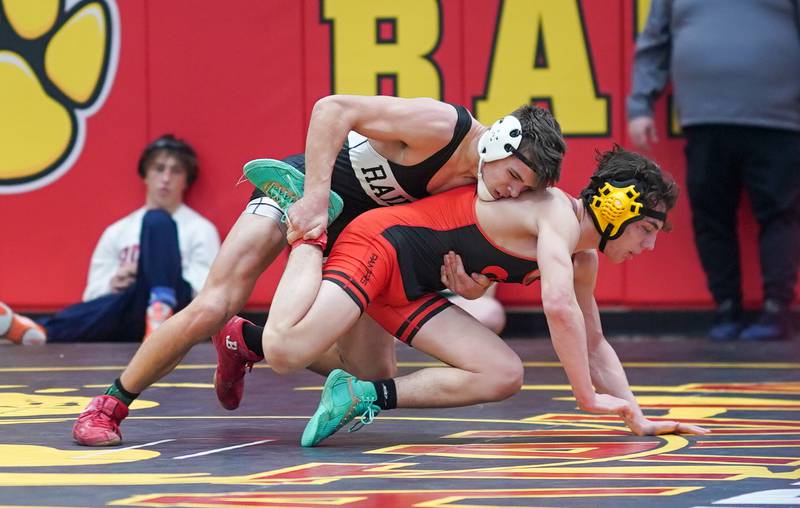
{"x":397,"y":123}
{"x":651,"y":68}
{"x":564,"y":318}
{"x":608,"y":375}
{"x":651,"y":61}
{"x":606,"y":370}
{"x":557,"y":235}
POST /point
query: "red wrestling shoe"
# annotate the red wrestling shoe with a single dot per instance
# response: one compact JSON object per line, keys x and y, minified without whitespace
{"x":98,"y":425}
{"x":233,"y":360}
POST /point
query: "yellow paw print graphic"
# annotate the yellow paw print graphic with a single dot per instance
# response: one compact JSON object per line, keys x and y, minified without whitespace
{"x":57,"y":62}
{"x":16,"y":406}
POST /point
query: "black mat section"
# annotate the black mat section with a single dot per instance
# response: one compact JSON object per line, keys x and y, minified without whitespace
{"x":533,"y":450}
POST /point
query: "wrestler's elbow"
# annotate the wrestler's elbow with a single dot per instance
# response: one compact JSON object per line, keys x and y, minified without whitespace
{"x":328,"y":107}
{"x":558,"y":303}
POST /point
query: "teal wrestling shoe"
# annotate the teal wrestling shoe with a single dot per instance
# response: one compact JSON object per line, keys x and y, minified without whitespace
{"x":283,"y":183}
{"x":343,"y":398}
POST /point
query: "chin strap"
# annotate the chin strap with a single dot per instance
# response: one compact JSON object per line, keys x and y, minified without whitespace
{"x":483,"y":190}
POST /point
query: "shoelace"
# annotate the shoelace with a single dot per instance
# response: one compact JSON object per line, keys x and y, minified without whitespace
{"x":367,"y":417}
{"x":284,"y":197}
{"x":101,"y":419}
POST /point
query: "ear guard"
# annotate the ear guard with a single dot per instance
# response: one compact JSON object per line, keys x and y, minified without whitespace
{"x":615,"y":206}
{"x":501,"y":140}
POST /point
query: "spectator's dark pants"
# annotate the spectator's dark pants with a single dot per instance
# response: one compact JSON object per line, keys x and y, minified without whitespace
{"x":721,"y":159}
{"x":120,"y":317}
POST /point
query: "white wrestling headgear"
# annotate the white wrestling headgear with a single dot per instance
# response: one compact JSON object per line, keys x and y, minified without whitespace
{"x":501,"y":140}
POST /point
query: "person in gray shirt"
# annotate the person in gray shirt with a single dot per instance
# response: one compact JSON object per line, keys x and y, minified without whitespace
{"x":735,"y":70}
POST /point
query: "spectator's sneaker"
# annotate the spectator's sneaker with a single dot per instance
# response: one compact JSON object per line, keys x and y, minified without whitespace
{"x":98,"y":424}
{"x":20,"y":330}
{"x":233,"y":360}
{"x":725,"y":331}
{"x":157,"y":313}
{"x":774,"y":323}
{"x":283,"y":183}
{"x":727,"y":322}
{"x":343,"y":398}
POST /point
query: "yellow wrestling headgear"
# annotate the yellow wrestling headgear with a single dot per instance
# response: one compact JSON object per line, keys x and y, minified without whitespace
{"x":616,"y":205}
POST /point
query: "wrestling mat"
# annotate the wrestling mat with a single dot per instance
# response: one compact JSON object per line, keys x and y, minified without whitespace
{"x":181,"y":449}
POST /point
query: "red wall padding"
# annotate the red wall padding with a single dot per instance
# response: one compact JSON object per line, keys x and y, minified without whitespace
{"x":238,"y":79}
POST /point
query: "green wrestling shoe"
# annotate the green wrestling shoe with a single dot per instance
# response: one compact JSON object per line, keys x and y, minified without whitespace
{"x":283,"y":183}
{"x":343,"y":398}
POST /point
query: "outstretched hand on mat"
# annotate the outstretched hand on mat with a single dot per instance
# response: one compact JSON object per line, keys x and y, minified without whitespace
{"x":641,"y":426}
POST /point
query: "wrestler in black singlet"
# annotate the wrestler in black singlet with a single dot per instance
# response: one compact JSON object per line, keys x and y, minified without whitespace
{"x":365,"y":179}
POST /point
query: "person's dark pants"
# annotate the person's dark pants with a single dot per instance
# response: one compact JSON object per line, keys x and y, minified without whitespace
{"x":120,"y":317}
{"x":721,"y":159}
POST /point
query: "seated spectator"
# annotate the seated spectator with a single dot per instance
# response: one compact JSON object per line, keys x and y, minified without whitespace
{"x":146,"y":266}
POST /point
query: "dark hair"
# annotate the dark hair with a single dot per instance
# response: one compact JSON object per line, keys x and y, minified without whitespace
{"x":656,"y":185}
{"x":175,"y":147}
{"x":542,"y":142}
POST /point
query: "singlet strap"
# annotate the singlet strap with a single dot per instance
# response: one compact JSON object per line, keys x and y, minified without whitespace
{"x":463,"y":124}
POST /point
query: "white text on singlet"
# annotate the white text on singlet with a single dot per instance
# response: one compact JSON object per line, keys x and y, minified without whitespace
{"x":374,"y":173}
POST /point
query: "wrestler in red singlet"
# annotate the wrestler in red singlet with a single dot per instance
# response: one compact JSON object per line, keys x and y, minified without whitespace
{"x":388,"y":260}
